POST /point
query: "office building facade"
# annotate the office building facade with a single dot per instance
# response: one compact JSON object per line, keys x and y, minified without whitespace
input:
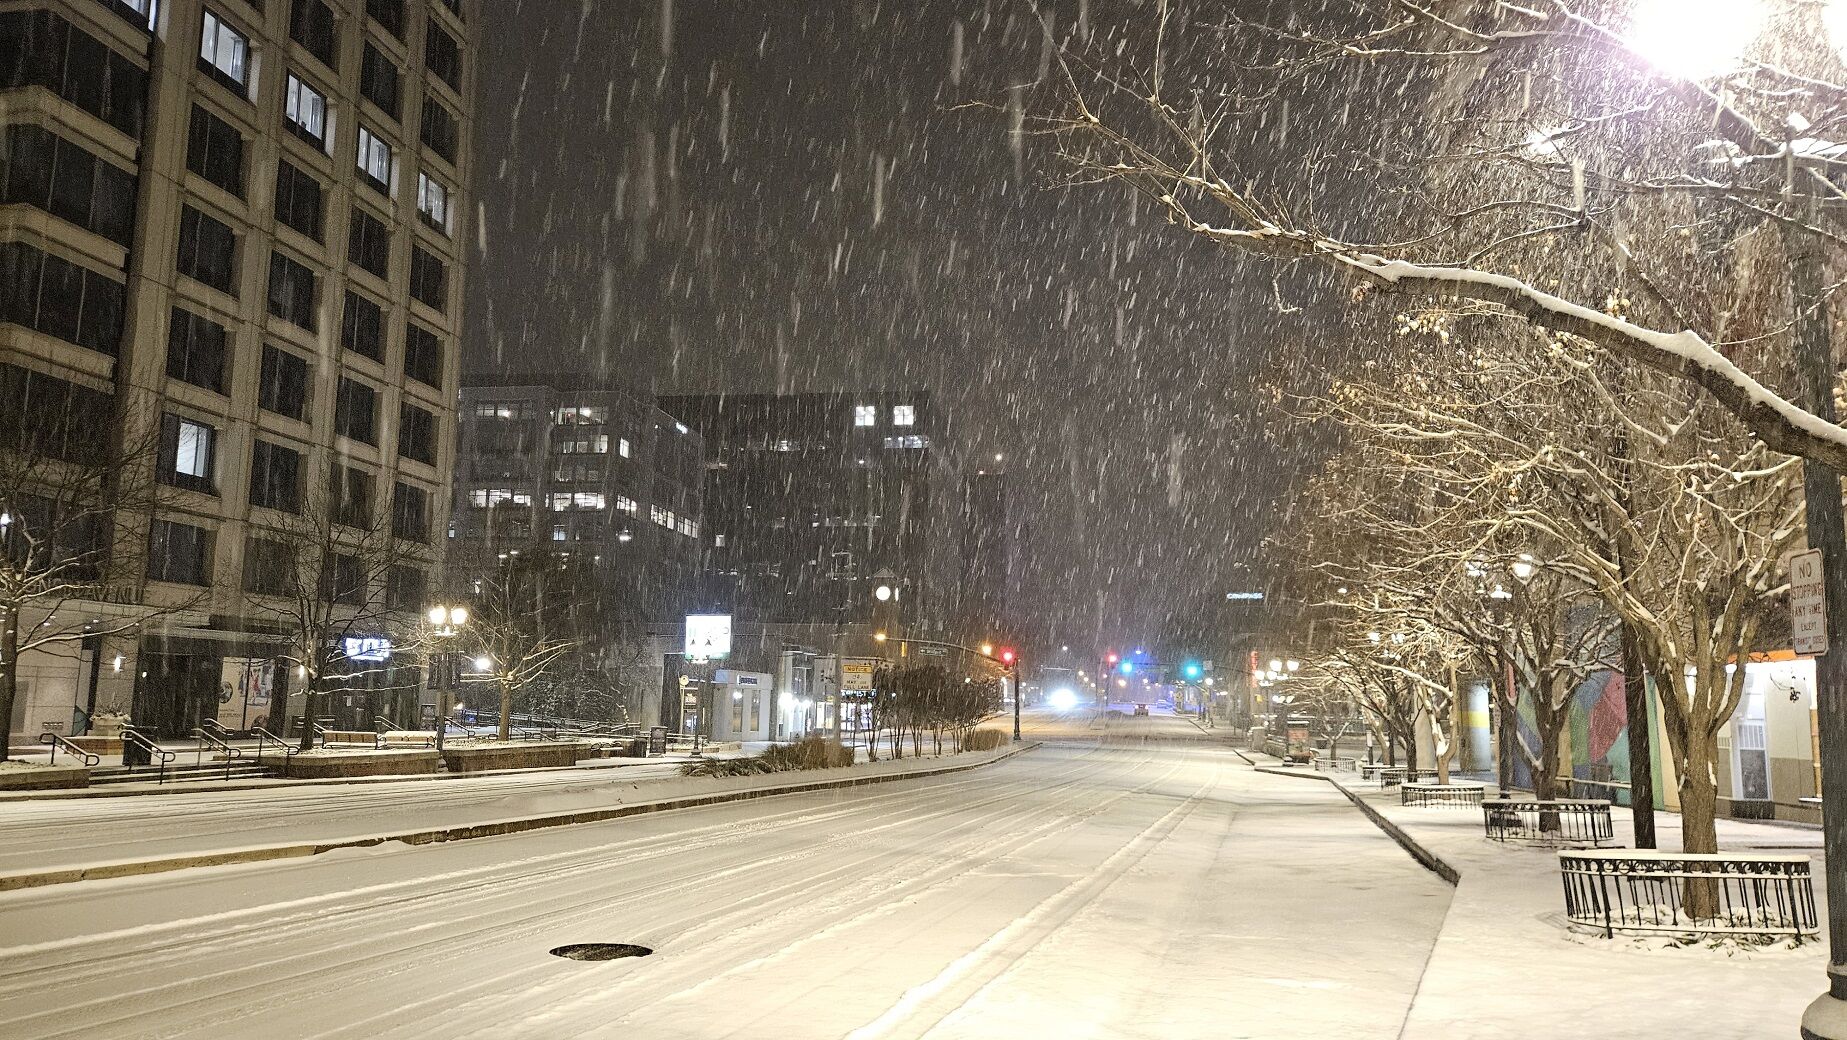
{"x":233,"y":230}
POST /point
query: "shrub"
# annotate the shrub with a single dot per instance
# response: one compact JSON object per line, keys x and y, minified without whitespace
{"x":808,"y":753}
{"x":984,"y":740}
{"x":725,"y":767}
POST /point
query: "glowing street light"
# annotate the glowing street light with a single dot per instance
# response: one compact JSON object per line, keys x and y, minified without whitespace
{"x":1695,"y":39}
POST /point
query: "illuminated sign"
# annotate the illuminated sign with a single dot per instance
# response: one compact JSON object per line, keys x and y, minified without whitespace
{"x":708,"y":636}
{"x":1245,"y":597}
{"x":367,"y":648}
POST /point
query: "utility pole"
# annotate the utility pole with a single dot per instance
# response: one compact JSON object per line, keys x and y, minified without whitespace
{"x":1822,"y":486}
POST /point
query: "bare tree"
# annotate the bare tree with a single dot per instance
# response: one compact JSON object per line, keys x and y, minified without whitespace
{"x":1545,"y":167}
{"x":75,"y":499}
{"x":331,"y":571}
{"x":522,"y":625}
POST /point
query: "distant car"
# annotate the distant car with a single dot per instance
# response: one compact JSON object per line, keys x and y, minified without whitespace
{"x":1141,"y":709}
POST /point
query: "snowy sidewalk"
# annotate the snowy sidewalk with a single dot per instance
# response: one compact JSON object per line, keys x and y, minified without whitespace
{"x":1505,"y":966}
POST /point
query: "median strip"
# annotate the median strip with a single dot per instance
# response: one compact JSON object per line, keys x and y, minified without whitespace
{"x":463,"y":832}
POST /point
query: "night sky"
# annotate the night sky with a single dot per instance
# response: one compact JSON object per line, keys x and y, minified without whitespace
{"x":811,"y":195}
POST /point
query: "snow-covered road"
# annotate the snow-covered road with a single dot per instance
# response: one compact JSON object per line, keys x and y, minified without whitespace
{"x":1130,"y":882}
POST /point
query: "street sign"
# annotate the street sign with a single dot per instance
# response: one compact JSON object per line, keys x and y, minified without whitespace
{"x":926,"y":650}
{"x":1808,"y":603}
{"x":857,"y":674}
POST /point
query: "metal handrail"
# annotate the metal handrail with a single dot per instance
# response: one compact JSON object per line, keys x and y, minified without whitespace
{"x":131,"y":735}
{"x":473,"y":734}
{"x":206,"y":737}
{"x":266,"y":738}
{"x":56,"y":740}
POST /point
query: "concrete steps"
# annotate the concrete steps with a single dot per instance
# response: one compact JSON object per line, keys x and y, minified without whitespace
{"x":177,"y":771}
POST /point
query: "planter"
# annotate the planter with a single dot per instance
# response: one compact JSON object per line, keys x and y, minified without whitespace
{"x":97,"y":745}
{"x":34,"y":777}
{"x":320,"y":765}
{"x":512,"y":755}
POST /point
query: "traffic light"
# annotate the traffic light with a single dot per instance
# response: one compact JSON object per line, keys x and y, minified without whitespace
{"x":1110,"y":658}
{"x":1126,"y":667}
{"x":1007,"y":656}
{"x":1192,"y":670}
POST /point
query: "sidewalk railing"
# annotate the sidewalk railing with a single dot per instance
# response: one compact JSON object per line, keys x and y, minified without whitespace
{"x":1643,"y":890}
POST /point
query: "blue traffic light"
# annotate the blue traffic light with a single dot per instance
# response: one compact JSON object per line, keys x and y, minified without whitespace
{"x":1192,"y":670}
{"x":1127,"y":667}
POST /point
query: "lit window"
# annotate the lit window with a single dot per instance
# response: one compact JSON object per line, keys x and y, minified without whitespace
{"x":622,"y":447}
{"x":718,"y":541}
{"x":626,"y":504}
{"x":147,"y":9}
{"x":306,"y":109}
{"x":224,"y":48}
{"x":602,"y":444}
{"x":194,"y":455}
{"x":374,"y":157}
{"x":865,"y":415}
{"x":558,"y":534}
{"x":433,"y":202}
{"x":903,"y":415}
{"x":588,"y":500}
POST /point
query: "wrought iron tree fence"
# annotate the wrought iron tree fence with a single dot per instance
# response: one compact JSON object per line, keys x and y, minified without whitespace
{"x":1641,"y":890}
{"x":1566,"y":821}
{"x":1423,"y":794}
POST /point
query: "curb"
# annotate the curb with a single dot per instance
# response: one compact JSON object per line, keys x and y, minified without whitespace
{"x":464,"y":832}
{"x":1428,"y":859}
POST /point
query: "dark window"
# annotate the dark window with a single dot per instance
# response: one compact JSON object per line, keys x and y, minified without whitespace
{"x":298,"y":199}
{"x":423,"y":356}
{"x":454,"y":6}
{"x":442,"y":55}
{"x":180,"y":553}
{"x":378,"y":80}
{"x":188,"y":453}
{"x":208,"y":251}
{"x":291,"y":292}
{"x":389,"y":14}
{"x":405,"y":588}
{"x":362,"y":327}
{"x":195,"y":350}
{"x":39,"y":48}
{"x":368,"y":243}
{"x":49,"y":294}
{"x":44,"y":415}
{"x":312,"y":24}
{"x":416,"y":434}
{"x":429,"y":278}
{"x":439,"y":129}
{"x":269,"y":567}
{"x":349,"y":497}
{"x":356,"y":412}
{"x":410,"y":513}
{"x":275,"y":477}
{"x":39,"y":168}
{"x":215,"y":151}
{"x":283,"y":388}
{"x":345,"y":579}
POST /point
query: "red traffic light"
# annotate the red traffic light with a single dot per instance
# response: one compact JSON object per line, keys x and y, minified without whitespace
{"x":1006,"y":655}
{"x":1111,"y":658}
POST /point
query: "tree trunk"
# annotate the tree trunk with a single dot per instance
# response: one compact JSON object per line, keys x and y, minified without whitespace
{"x":9,"y":675}
{"x":308,"y":696}
{"x":506,"y":711}
{"x":1410,"y":755}
{"x":1699,"y":795}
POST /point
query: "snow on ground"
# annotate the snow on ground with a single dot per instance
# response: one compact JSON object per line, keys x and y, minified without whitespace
{"x":1142,"y":885}
{"x":1505,"y":967}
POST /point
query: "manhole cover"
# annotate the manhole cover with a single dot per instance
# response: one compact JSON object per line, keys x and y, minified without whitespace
{"x":600,"y":951}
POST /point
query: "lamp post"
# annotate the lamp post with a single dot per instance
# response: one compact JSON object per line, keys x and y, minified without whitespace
{"x":445,"y":624}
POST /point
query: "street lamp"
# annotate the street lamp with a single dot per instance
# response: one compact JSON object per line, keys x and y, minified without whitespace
{"x":446,"y":622}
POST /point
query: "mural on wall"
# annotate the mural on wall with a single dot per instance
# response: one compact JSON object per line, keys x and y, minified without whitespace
{"x":1596,"y":736}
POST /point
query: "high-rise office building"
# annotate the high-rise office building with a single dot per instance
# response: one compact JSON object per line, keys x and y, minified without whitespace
{"x":593,"y":472}
{"x":233,"y":230}
{"x":815,"y":501}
